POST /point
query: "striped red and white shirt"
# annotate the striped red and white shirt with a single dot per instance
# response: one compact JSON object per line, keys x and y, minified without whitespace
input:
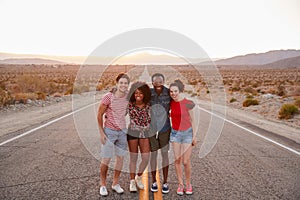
{"x":115,"y":111}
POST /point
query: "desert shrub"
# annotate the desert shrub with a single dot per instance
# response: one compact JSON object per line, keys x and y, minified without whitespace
{"x":249,"y":96}
{"x":31,"y":83}
{"x":250,"y":102}
{"x":207,"y":91}
{"x":281,"y":90}
{"x":194,"y":94}
{"x":255,"y":85}
{"x":69,"y":91}
{"x":232,"y":100}
{"x":2,"y":85}
{"x":99,"y":87}
{"x":235,"y":88}
{"x":287,"y":111}
{"x":41,"y":95}
{"x":250,"y":90}
{"x":189,"y":91}
{"x":193,"y":82}
{"x":23,"y":97}
{"x":5,"y":97}
{"x":297,"y":103}
{"x":78,"y":89}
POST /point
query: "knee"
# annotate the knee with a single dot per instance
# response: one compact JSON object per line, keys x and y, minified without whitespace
{"x":186,"y":162}
{"x":178,"y":161}
{"x":105,"y":161}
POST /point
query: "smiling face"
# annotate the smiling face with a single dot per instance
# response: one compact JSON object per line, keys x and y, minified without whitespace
{"x":158,"y":83}
{"x":174,"y":93}
{"x":138,"y":95}
{"x":122,"y":85}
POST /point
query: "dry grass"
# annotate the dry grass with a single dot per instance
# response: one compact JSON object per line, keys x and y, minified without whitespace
{"x":18,"y":83}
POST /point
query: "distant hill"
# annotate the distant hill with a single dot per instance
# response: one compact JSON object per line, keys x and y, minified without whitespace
{"x":285,"y":63}
{"x":293,"y":62}
{"x":249,"y":60}
{"x":259,"y":58}
{"x":33,"y":57}
{"x":139,"y":59}
{"x":29,"y":61}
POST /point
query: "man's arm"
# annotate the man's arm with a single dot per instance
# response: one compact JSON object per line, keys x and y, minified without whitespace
{"x":101,"y":111}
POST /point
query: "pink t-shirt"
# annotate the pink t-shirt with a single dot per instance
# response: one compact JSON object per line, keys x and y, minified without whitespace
{"x":115,"y":111}
{"x":180,"y":116}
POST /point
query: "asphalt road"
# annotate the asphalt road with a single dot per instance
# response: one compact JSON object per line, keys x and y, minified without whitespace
{"x":53,"y":163}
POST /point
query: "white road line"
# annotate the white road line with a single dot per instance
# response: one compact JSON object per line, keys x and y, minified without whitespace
{"x":44,"y":125}
{"x":257,"y":134}
{"x":246,"y":129}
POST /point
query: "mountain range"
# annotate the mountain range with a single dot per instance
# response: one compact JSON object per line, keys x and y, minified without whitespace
{"x":259,"y":58}
{"x":275,"y":58}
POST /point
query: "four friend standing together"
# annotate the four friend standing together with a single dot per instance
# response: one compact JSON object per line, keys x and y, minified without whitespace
{"x":151,"y":112}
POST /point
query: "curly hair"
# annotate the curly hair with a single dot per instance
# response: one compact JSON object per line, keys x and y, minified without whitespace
{"x":178,"y":83}
{"x":143,"y":87}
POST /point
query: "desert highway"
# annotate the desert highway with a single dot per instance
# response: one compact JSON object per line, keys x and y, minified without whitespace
{"x":52,"y":162}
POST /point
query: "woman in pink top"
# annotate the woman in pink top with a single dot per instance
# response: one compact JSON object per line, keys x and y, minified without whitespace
{"x":182,"y":135}
{"x":112,"y":127}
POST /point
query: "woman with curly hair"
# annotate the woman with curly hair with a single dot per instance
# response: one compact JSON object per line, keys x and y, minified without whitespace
{"x":138,"y":131}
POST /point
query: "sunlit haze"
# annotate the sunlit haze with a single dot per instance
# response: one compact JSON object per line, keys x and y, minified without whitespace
{"x":221,"y":28}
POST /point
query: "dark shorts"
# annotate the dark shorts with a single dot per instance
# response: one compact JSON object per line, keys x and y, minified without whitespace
{"x":161,"y":142}
{"x":133,"y":135}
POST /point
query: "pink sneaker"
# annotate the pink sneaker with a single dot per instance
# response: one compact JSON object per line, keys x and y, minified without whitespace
{"x":189,"y":189}
{"x":180,"y":189}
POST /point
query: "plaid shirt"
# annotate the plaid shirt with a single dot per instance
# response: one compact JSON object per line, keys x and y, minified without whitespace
{"x":160,"y":107}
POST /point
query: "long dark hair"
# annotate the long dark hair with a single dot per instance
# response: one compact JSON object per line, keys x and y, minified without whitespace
{"x":143,"y":87}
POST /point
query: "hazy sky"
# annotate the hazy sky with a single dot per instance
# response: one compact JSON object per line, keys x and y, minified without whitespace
{"x":222,"y":28}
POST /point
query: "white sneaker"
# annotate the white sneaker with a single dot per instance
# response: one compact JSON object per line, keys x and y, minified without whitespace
{"x":103,"y":191}
{"x":117,"y":188}
{"x":139,"y":183}
{"x":132,"y":187}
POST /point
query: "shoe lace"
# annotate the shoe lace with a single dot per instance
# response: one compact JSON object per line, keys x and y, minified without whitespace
{"x":189,"y":187}
{"x":180,"y":187}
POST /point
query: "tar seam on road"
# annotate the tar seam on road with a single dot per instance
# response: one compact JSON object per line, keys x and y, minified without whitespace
{"x":250,"y":131}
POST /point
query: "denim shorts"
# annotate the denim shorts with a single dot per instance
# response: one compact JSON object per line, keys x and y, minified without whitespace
{"x":182,"y":136}
{"x":116,"y":143}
